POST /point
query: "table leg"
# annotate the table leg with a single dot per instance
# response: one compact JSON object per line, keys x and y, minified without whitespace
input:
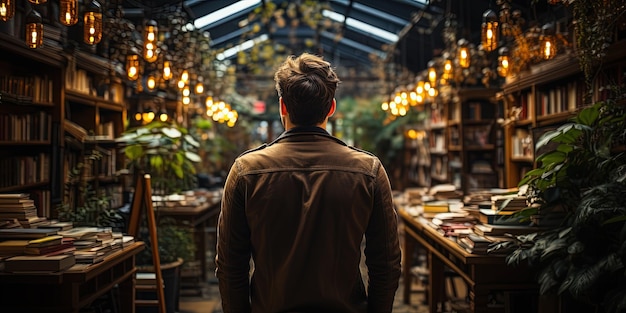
{"x":436,"y":283}
{"x":127,"y":295}
{"x":407,"y":260}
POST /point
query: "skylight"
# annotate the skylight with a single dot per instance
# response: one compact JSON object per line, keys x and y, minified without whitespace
{"x":241,"y":47}
{"x":224,"y":12}
{"x":356,"y":24}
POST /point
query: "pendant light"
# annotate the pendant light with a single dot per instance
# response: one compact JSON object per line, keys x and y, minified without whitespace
{"x":432,"y":73}
{"x":37,"y":1}
{"x":503,"y":62}
{"x":92,"y":32}
{"x":7,"y":10}
{"x":68,"y":12}
{"x":167,"y":70}
{"x":34,"y":30}
{"x":548,"y":44}
{"x":464,"y":54}
{"x":132,"y":66}
{"x":150,"y":34}
{"x":151,"y":82}
{"x":489,"y":33}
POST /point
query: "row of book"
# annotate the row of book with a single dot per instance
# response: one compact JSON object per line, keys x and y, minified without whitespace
{"x":29,"y":243}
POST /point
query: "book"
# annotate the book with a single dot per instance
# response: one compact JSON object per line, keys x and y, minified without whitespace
{"x":39,"y":263}
{"x":12,"y":247}
{"x":5,"y":196}
{"x":45,"y":241}
{"x":499,"y":230}
{"x":25,"y":233}
{"x":436,"y":206}
{"x":490,"y":216}
{"x":49,"y":250}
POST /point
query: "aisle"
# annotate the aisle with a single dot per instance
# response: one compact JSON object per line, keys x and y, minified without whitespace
{"x":209,"y":302}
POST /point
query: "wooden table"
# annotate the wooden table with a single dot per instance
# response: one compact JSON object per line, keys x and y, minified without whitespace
{"x":484,"y":274}
{"x":73,"y":289}
{"x":203,"y":219}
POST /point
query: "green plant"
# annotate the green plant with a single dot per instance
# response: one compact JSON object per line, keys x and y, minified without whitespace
{"x":583,"y":181}
{"x":166,"y":151}
{"x":82,"y":204}
{"x":175,"y":241}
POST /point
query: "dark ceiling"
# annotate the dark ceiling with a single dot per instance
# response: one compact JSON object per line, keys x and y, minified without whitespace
{"x":417,"y":24}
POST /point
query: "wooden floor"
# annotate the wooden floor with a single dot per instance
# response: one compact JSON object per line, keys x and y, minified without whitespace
{"x":209,"y":302}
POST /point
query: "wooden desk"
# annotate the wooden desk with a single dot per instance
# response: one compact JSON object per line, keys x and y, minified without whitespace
{"x":71,"y":290}
{"x":483,"y":274}
{"x":203,"y":219}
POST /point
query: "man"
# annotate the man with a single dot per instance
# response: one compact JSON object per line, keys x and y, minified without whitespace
{"x":300,"y":207}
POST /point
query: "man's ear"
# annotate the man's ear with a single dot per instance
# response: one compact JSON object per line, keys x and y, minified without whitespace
{"x":333,"y":107}
{"x":283,"y":107}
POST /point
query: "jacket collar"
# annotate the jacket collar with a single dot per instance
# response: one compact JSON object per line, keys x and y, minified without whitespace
{"x":306,"y":130}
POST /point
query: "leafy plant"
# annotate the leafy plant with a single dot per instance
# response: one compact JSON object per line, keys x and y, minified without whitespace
{"x":583,"y":181}
{"x":175,"y":241}
{"x":164,"y":150}
{"x":82,"y":204}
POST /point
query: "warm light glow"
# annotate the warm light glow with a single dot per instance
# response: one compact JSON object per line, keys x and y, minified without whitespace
{"x":184,"y":77}
{"x":432,"y":76}
{"x":148,"y":116}
{"x":186,"y":92}
{"x":489,"y":33}
{"x":186,"y":100}
{"x":138,"y":116}
{"x":37,"y":1}
{"x":548,"y":49}
{"x":208,"y":102}
{"x":384,"y":106}
{"x":151,"y":82}
{"x":503,"y":62}
{"x":167,"y":70}
{"x":199,"y":88}
{"x":181,"y":84}
{"x":447,"y":70}
{"x":68,"y":12}
{"x":149,"y":37}
{"x":34,"y":30}
{"x":464,"y":59}
{"x":7,"y":10}
{"x":132,"y":66}
{"x":92,"y":31}
{"x":163,"y":117}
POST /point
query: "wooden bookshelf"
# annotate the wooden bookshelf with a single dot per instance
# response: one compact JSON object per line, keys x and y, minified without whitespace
{"x":57,"y":105}
{"x":546,"y":96}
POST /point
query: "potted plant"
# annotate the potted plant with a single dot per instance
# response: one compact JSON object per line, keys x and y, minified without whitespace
{"x":581,"y":180}
{"x":168,"y":152}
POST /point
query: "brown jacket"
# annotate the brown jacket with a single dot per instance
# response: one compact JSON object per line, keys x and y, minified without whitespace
{"x":300,"y":208}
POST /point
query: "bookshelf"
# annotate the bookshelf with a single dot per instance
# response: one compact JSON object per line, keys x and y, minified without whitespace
{"x":56,"y":107}
{"x":436,"y":126}
{"x":94,"y":115}
{"x":476,"y":140}
{"x":545,"y":97}
{"x":30,"y":81}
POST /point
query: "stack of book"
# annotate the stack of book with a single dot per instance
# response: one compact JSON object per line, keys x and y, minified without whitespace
{"x":19,"y":207}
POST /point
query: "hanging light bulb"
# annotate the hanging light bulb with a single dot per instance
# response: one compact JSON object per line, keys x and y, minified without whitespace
{"x":489,"y":33}
{"x":92,"y":31}
{"x":184,"y":77}
{"x":167,"y":70}
{"x":432,"y":73}
{"x":34,"y":30}
{"x":132,"y":66}
{"x":148,"y":116}
{"x":199,"y":86}
{"x":503,"y":62}
{"x":548,"y":45}
{"x":138,"y":116}
{"x":151,"y":82}
{"x":150,"y":34}
{"x":37,"y":1}
{"x":447,"y":70}
{"x":7,"y":10}
{"x":163,"y":115}
{"x":464,"y":54}
{"x":68,"y":12}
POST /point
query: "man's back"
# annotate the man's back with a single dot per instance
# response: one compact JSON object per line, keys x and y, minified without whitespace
{"x":305,"y":203}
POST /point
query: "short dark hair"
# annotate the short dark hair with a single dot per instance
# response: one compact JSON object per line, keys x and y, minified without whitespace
{"x":307,"y":84}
